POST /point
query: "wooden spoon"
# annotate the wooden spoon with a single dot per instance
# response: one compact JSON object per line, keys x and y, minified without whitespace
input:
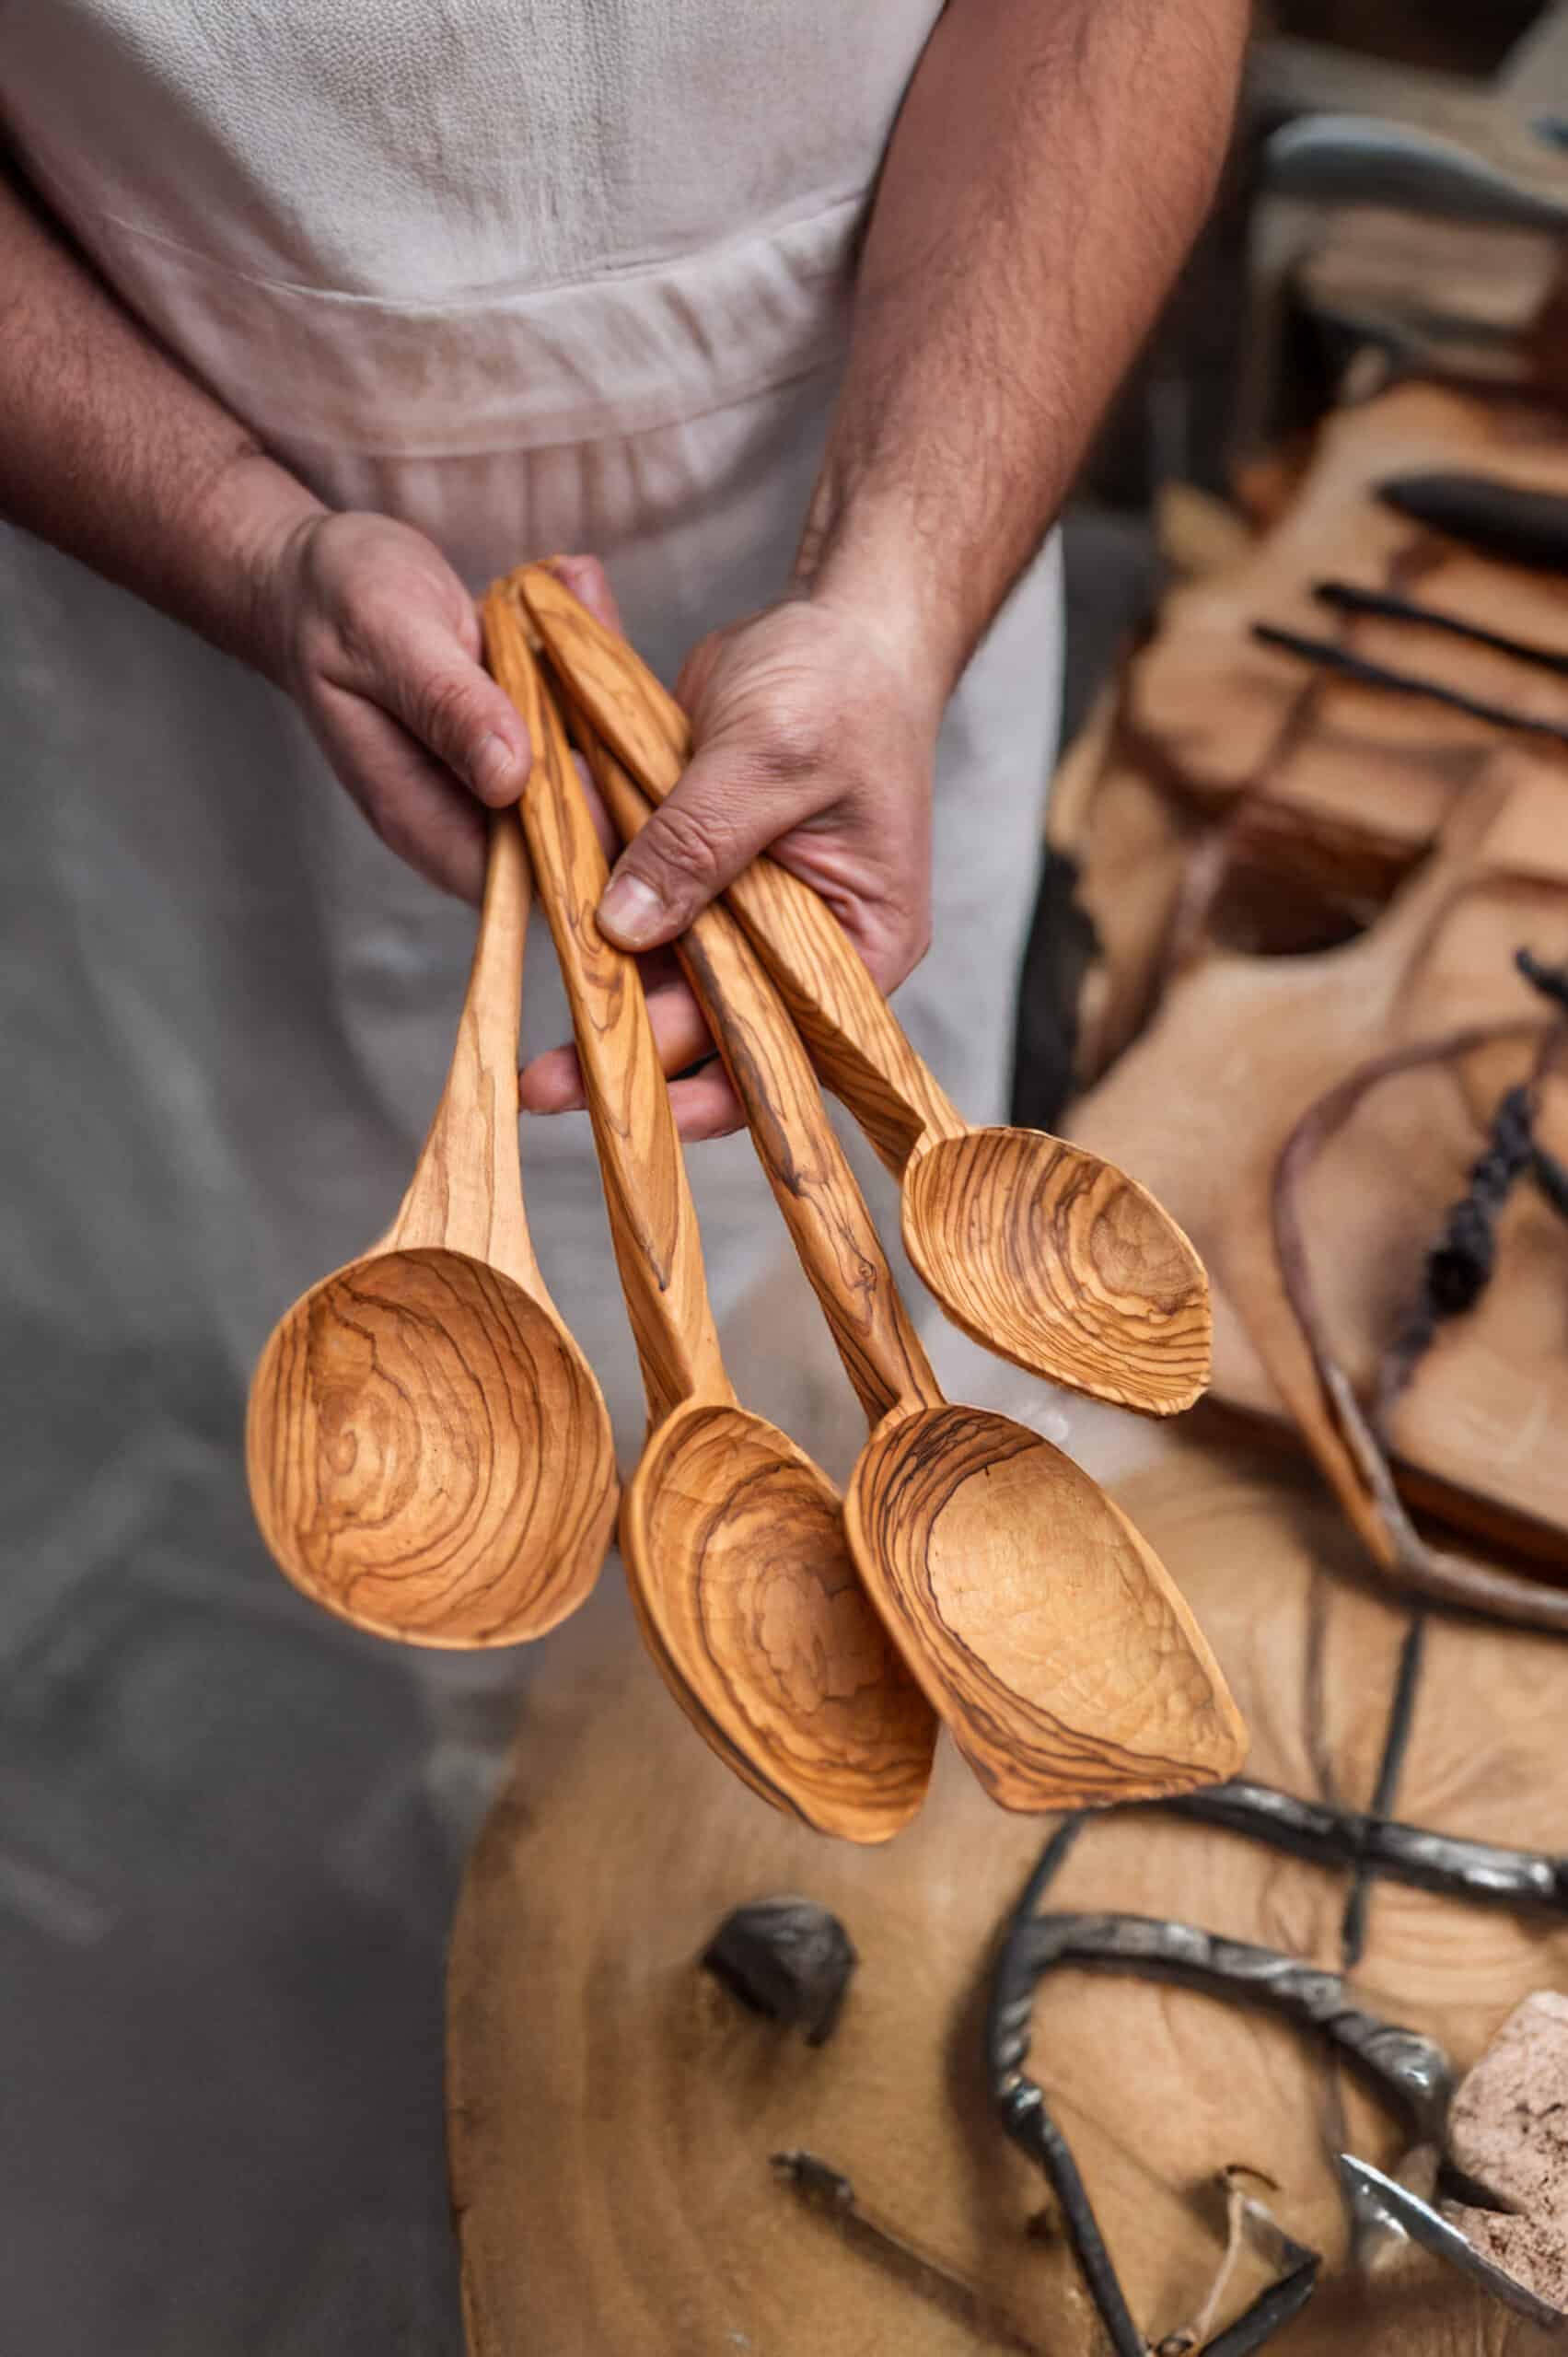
{"x":1039,"y":1250}
{"x":1045,"y":1633}
{"x":732,"y":1538}
{"x":428,"y":1452}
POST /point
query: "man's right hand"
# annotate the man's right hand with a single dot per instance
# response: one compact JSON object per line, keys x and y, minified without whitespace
{"x":365,"y":624}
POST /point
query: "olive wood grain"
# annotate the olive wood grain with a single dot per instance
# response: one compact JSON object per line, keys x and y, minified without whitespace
{"x":1064,"y":1661}
{"x":733,"y":1539}
{"x":429,"y":1456}
{"x":1034,"y":1247}
{"x":659,"y":2225}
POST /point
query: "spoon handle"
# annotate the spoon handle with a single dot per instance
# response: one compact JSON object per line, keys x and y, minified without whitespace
{"x":855,"y":1039}
{"x":807,"y":1168}
{"x":653,"y":1222}
{"x":466,"y":1192}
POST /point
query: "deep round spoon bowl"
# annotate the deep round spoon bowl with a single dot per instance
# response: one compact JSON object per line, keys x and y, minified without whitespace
{"x":429,"y":1454}
{"x":1019,"y":1590}
{"x":735,"y":1550}
{"x":1019,"y":1234}
{"x":423,"y":1443}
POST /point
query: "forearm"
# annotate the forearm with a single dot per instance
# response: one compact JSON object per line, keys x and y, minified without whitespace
{"x":111,"y":451}
{"x":1052,"y":163}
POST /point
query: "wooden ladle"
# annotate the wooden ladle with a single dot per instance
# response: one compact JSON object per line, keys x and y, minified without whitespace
{"x":1045,"y":1633}
{"x":429,"y":1455}
{"x":1037,"y":1248}
{"x":732,"y":1538}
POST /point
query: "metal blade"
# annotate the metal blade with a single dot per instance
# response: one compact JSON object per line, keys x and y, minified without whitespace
{"x":1374,"y":2196}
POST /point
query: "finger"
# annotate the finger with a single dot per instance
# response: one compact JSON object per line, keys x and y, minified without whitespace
{"x":420,"y":671}
{"x":587,"y":580}
{"x":552,"y":1083}
{"x":704,"y":1103}
{"x":715,"y":823}
{"x":418,"y":809}
{"x":705,"y":1106}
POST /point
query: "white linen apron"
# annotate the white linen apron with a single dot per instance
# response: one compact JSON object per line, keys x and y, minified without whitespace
{"x":534,"y":275}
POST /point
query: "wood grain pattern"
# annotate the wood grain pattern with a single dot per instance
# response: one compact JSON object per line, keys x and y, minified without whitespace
{"x":653,"y":1221}
{"x":1037,"y":1248}
{"x":1042,"y":1630}
{"x":761,"y":1592}
{"x":426,"y":1459}
{"x":658,"y":2225}
{"x":806,"y":1165}
{"x":1071,"y":1671}
{"x":466,"y":1194}
{"x":429,"y":1456}
{"x":1474,"y":1432}
{"x":1234,"y":802}
{"x":733,"y":1539}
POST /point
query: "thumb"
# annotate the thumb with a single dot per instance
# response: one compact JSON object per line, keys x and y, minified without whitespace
{"x":697,"y":841}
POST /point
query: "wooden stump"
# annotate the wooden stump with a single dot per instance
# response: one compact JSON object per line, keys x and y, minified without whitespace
{"x":613,"y":2108}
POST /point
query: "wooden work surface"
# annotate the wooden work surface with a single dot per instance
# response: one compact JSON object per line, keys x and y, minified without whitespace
{"x":612,"y":2111}
{"x":1290,"y":877}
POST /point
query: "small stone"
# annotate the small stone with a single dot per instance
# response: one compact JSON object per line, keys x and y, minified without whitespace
{"x":788,"y":1958}
{"x":1508,"y":2126}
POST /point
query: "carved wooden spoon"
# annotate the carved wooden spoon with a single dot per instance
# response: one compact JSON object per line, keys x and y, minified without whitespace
{"x":1037,"y":1248}
{"x":1045,"y":1633}
{"x":733,"y":1539}
{"x":429,"y":1454}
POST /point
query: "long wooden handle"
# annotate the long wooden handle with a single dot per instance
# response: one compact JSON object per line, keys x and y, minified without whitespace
{"x":807,"y":1168}
{"x":855,"y":1040}
{"x":653,"y":1221}
{"x":466,"y":1192}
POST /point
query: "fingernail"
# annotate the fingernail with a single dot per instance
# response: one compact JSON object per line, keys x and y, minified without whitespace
{"x":497,"y":772}
{"x":631,"y":912}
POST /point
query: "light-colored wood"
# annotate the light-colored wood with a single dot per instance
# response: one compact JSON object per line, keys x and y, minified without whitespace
{"x":1063,"y":1660}
{"x":1051,"y":1641}
{"x":429,"y":1456}
{"x":1072,"y":1669}
{"x":1246,"y":802}
{"x":733,"y":1539}
{"x":799,"y":1151}
{"x":612,"y":2111}
{"x":1250,"y":1046}
{"x":1037,"y":1251}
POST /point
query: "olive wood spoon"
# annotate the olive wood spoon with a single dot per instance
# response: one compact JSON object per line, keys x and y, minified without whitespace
{"x":1037,"y":1248}
{"x":733,"y":1539}
{"x":1045,"y":1633}
{"x":429,"y":1455}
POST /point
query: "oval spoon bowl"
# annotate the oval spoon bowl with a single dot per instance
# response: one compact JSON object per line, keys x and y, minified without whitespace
{"x":412,"y":1445}
{"x":735,"y":1546}
{"x":1061,"y":1263}
{"x":1012,"y":1582}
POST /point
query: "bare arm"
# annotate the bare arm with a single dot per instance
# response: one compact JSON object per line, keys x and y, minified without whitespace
{"x":1048,"y":168}
{"x":1051,"y":164}
{"x":111,"y":451}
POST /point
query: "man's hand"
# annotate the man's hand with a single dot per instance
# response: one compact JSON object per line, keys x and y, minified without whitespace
{"x":368,"y":627}
{"x":814,"y":736}
{"x":1046,"y":173}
